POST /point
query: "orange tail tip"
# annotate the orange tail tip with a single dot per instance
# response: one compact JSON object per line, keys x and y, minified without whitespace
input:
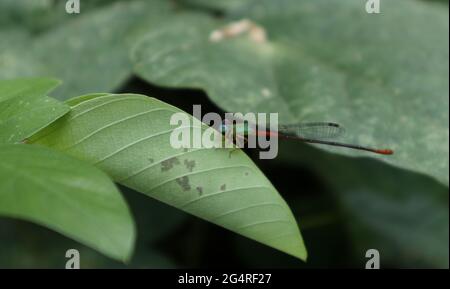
{"x":385,"y":152}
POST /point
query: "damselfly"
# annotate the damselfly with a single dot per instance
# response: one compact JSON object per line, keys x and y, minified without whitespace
{"x":309,"y":132}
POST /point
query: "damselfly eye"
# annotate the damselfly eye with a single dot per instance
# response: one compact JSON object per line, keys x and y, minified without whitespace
{"x":223,"y":128}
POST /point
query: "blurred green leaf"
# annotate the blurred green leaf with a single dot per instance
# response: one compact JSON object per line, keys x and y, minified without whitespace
{"x":37,"y":16}
{"x":25,"y":245}
{"x":15,"y":56}
{"x":383,"y":77}
{"x":25,"y":108}
{"x":88,"y":51}
{"x":219,"y":5}
{"x":404,"y":215}
{"x":128,"y":136}
{"x":32,"y":14}
{"x":441,"y":1}
{"x":66,"y":195}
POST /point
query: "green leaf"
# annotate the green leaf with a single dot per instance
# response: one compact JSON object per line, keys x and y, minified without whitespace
{"x":219,"y":5}
{"x":66,"y":195}
{"x":15,"y":58}
{"x":27,"y":28}
{"x":383,"y":77}
{"x":25,"y":245}
{"x":38,"y":16}
{"x":25,"y":108}
{"x":128,"y":136}
{"x":404,"y":215}
{"x":88,"y":51}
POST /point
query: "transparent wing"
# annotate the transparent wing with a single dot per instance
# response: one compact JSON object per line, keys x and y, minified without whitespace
{"x":313,"y":130}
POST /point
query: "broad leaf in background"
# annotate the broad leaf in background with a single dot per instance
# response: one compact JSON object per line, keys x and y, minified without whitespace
{"x":385,"y":78}
{"x":402,"y":214}
{"x":88,"y":51}
{"x":128,"y":136}
{"x":37,"y":16}
{"x":218,"y":5}
{"x":67,"y":195}
{"x":25,"y":108}
{"x":441,"y":1}
{"x":231,"y":6}
{"x":15,"y":58}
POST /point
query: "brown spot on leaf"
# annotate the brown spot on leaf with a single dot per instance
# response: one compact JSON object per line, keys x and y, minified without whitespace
{"x":223,"y":187}
{"x":184,"y":183}
{"x":151,"y":160}
{"x":200,"y":191}
{"x":189,"y":164}
{"x":168,"y":164}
